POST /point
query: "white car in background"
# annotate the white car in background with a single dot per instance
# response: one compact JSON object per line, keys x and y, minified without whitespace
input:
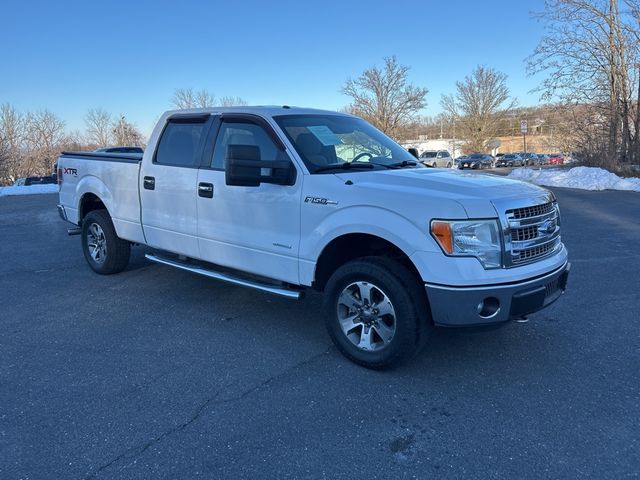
{"x":436,"y":158}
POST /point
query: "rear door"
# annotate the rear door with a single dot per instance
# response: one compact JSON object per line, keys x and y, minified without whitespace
{"x":168,"y":185}
{"x":254,"y":229}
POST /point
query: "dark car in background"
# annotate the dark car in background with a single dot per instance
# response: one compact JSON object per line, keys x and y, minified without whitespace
{"x":530,"y":159}
{"x":509,"y":160}
{"x":543,"y":159}
{"x":477,"y":161}
{"x":46,"y":180}
{"x":120,"y":150}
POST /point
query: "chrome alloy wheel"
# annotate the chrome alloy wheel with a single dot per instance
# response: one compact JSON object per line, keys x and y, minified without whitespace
{"x":97,"y":243}
{"x":366,"y":316}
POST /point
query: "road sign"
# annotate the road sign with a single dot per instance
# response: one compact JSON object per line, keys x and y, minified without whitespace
{"x":523,"y":126}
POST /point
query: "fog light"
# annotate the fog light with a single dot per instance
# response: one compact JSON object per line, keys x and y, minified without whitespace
{"x":489,"y":307}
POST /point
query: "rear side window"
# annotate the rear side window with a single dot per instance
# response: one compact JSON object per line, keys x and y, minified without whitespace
{"x":180,"y":144}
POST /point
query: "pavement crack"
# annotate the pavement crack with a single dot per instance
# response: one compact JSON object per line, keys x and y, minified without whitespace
{"x":137,"y":451}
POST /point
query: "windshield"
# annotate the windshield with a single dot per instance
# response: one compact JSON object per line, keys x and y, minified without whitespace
{"x":428,"y":154}
{"x":332,"y":140}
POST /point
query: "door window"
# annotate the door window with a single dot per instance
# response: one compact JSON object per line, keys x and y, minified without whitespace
{"x":244,"y":133}
{"x":180,"y":144}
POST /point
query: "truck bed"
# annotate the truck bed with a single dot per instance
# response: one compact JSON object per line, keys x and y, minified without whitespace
{"x":113,"y":177}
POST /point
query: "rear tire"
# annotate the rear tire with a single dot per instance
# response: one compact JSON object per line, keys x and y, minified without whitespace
{"x":104,"y":251}
{"x":376,"y":312}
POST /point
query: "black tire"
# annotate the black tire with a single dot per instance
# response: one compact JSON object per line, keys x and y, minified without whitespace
{"x":411,"y":320}
{"x":114,"y":257}
{"x":434,"y":165}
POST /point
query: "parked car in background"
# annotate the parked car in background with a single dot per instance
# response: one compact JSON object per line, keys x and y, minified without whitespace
{"x":530,"y":159}
{"x":477,"y":161}
{"x":556,"y":159}
{"x":509,"y":160}
{"x":436,"y":158}
{"x":543,"y":159}
{"x":46,"y":180}
{"x":120,"y":150}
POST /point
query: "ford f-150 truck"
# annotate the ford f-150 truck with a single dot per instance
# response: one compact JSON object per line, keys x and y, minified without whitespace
{"x":286,"y":199}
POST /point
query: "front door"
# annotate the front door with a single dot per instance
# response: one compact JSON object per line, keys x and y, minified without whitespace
{"x":254,"y":229}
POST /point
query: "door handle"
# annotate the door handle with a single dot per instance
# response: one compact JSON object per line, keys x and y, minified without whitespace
{"x":205,"y":190}
{"x":149,"y":183}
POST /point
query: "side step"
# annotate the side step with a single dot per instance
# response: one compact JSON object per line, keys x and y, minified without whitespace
{"x":225,"y":277}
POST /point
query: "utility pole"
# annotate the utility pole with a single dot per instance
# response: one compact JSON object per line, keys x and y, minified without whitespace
{"x":523,"y":130}
{"x":453,"y":146}
{"x":122,"y":128}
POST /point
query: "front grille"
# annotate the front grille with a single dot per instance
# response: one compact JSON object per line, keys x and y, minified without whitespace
{"x":533,"y":253}
{"x":533,"y":233}
{"x":525,"y":233}
{"x":528,"y":212}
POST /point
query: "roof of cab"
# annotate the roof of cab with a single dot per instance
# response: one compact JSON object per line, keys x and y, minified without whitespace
{"x":262,"y":110}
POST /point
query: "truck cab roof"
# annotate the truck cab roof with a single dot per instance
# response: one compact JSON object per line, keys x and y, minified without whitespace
{"x":262,"y":110}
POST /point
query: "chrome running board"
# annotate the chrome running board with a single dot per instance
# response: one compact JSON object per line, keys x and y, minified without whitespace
{"x":226,"y":277}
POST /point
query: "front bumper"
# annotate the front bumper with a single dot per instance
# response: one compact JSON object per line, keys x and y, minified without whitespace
{"x":493,"y":304}
{"x":471,"y":165}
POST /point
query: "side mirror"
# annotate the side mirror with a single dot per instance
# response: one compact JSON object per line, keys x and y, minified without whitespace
{"x":244,"y":168}
{"x":414,"y":152}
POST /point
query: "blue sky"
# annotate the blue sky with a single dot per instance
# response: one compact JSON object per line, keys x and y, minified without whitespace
{"x":128,"y":57}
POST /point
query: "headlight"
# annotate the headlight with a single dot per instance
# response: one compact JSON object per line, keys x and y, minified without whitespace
{"x":470,"y":238}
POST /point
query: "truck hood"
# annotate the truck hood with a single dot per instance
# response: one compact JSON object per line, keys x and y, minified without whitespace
{"x":475,"y":192}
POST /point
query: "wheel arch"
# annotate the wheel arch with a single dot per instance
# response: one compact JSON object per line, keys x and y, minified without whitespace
{"x":88,"y":203}
{"x":92,"y":195}
{"x":351,"y":246}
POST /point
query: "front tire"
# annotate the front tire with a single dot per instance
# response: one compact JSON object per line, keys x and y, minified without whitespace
{"x":104,"y":251}
{"x":376,"y":312}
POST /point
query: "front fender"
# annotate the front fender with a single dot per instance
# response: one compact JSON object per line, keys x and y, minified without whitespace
{"x":377,"y":221}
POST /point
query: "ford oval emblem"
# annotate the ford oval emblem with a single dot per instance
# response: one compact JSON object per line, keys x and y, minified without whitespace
{"x":547,"y":227}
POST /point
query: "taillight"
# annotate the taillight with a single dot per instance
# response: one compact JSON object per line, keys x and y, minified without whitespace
{"x":59,"y":177}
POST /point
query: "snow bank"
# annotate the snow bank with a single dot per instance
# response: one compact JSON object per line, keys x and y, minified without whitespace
{"x":586,"y":178}
{"x":28,"y":190}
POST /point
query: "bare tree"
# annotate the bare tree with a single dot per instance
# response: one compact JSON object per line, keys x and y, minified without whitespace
{"x":98,"y":127}
{"x":232,"y":102}
{"x":44,"y":135}
{"x":12,"y":139}
{"x":188,"y":98}
{"x":384,"y":97}
{"x":126,"y":134}
{"x":481,"y":102}
{"x":590,"y":56}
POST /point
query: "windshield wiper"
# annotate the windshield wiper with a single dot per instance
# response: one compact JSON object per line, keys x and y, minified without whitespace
{"x":345,"y":166}
{"x":402,"y":164}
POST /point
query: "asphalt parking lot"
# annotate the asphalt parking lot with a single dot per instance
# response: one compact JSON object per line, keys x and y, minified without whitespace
{"x":158,"y":373}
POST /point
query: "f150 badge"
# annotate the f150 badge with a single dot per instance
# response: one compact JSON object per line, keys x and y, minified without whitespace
{"x":320,"y":201}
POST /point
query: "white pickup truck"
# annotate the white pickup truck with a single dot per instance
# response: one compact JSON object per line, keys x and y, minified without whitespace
{"x":285,"y":199}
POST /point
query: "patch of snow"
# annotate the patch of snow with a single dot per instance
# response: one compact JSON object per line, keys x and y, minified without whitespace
{"x":585,"y":178}
{"x":28,"y":190}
